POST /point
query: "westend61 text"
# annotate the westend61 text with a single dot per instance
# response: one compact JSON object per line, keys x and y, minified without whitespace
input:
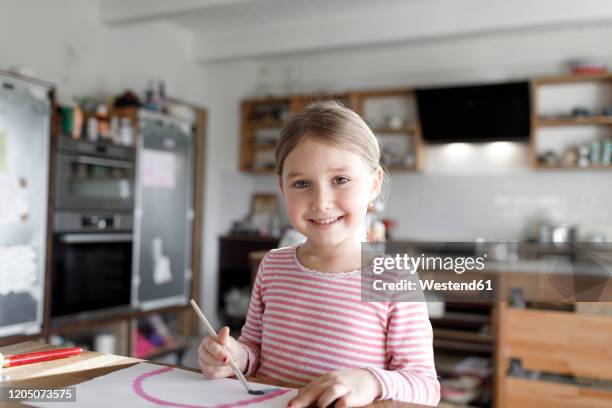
{"x":430,"y":284}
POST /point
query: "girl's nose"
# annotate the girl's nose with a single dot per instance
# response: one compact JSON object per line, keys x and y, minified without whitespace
{"x":322,"y":199}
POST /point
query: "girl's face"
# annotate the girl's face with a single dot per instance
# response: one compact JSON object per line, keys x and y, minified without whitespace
{"x":327,"y":191}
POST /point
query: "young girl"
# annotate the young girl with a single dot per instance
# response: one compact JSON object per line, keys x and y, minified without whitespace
{"x":306,"y":322}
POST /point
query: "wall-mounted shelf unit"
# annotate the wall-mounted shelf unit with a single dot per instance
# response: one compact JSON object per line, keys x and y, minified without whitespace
{"x":393,"y":119}
{"x":392,"y":115}
{"x":571,"y":118}
{"x":569,"y":114}
{"x":261,"y":123}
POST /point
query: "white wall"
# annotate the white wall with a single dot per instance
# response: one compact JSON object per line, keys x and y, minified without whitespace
{"x":64,"y":42}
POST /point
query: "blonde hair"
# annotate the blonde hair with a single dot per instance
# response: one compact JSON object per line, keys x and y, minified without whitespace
{"x":331,"y":123}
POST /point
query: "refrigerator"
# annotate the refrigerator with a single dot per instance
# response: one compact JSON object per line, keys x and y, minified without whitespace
{"x":163,"y":211}
{"x":25,"y":144}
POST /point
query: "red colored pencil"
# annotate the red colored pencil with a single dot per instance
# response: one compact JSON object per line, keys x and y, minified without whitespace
{"x":30,"y":358}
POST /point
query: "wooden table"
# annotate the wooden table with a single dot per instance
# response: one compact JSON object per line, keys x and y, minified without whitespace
{"x":88,"y":365}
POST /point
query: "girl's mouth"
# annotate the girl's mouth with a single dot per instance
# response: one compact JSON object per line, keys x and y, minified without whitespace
{"x":325,"y":222}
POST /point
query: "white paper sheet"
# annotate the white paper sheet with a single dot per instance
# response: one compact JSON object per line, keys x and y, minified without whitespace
{"x":159,"y":169}
{"x":150,"y":385}
{"x":162,"y":272}
{"x":13,"y":199}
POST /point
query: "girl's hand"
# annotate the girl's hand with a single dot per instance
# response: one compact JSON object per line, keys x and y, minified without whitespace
{"x":348,"y":388}
{"x":213,"y":355}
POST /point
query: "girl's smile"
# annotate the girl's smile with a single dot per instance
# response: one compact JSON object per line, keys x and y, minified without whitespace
{"x":326,"y":222}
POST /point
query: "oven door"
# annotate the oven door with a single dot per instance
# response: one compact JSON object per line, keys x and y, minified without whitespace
{"x":88,"y":182}
{"x":91,"y":272}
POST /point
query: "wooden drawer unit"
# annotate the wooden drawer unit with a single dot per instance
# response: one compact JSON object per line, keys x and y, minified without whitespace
{"x":554,"y":342}
{"x":525,"y":393}
{"x":561,"y":342}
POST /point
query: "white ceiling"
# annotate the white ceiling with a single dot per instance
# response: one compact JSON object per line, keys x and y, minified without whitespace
{"x":245,"y":15}
{"x":239,"y":29}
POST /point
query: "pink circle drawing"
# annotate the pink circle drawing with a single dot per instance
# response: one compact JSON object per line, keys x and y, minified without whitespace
{"x":137,"y":386}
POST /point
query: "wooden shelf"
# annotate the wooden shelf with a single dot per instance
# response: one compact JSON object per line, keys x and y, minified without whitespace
{"x":407,"y":169}
{"x":461,"y":345}
{"x":463,"y":336}
{"x":464,"y":319}
{"x":574,"y":121}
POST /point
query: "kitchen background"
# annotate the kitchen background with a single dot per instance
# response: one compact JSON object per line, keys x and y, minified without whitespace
{"x":217,"y":54}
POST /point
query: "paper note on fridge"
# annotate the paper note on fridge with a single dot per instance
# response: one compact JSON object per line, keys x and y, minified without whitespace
{"x":159,"y":169}
{"x":13,"y":199}
{"x":162,"y":272}
{"x":150,"y":385}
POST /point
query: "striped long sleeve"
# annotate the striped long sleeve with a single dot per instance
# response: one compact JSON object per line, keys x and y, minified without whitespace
{"x":410,"y":374}
{"x":304,"y":323}
{"x":251,"y":333}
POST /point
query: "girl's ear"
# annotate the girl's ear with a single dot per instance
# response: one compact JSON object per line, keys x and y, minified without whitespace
{"x":377,"y":182}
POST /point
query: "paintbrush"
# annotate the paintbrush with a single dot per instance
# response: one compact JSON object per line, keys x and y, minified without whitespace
{"x":232,"y":363}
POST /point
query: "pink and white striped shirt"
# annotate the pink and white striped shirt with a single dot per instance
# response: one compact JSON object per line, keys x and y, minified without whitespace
{"x":304,"y":323}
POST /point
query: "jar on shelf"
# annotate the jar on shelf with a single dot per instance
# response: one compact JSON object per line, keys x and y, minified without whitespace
{"x":126,"y":132}
{"x":606,"y":156}
{"x":103,"y":121}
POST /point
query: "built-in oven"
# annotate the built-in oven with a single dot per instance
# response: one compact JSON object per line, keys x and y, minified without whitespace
{"x":91,"y":272}
{"x":92,"y":228}
{"x":94,"y":176}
